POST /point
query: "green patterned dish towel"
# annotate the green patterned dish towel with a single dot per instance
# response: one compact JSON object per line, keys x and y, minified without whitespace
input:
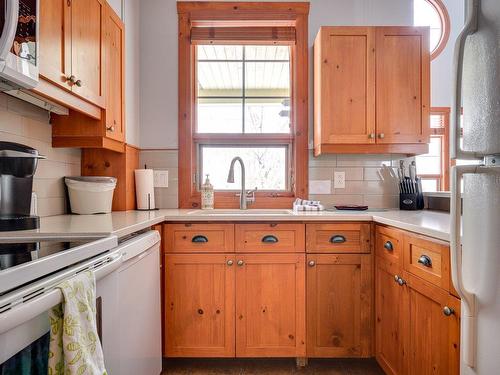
{"x":75,"y":348}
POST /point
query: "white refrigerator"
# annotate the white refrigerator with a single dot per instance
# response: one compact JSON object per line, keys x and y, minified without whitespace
{"x":475,"y":181}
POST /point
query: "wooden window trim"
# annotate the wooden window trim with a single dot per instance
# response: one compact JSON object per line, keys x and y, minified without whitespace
{"x":243,"y":14}
{"x":444,"y":135}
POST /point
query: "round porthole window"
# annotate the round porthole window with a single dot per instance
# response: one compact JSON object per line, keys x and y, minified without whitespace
{"x":433,"y":13}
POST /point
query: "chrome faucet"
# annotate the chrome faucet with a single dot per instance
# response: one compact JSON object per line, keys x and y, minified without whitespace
{"x":245,"y":196}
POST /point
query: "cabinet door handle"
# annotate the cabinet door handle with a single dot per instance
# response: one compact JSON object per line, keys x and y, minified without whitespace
{"x":401,"y":282}
{"x":371,"y":135}
{"x":337,"y":239}
{"x":199,"y":239}
{"x":448,"y":311}
{"x":269,"y":239}
{"x":312,"y":263}
{"x":110,"y":128}
{"x":396,"y":278}
{"x":230,"y":262}
{"x":389,"y":246}
{"x":240,"y":263}
{"x":79,"y":83}
{"x":71,"y":79}
{"x":425,"y":260}
{"x":381,"y":135}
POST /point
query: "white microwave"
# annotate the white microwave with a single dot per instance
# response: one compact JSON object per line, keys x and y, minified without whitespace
{"x":18,"y":44}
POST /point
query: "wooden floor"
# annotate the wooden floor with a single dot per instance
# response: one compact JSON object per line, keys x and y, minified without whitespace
{"x":270,"y":366}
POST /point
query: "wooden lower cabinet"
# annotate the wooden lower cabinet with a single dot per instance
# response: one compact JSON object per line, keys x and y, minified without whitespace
{"x":199,"y":306}
{"x":270,"y":305}
{"x":388,"y":312}
{"x":339,"y":305}
{"x":431,"y":336}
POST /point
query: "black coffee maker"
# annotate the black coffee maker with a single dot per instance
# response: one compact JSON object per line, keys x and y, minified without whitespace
{"x":17,"y":166}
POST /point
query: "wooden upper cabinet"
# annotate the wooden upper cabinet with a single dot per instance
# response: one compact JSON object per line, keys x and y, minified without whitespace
{"x":371,"y":90}
{"x":199,"y":306}
{"x":55,"y":41}
{"x":339,"y":305}
{"x":270,"y":305}
{"x":87,"y":18}
{"x":431,"y":336}
{"x":114,"y":65}
{"x":344,"y":60}
{"x":403,"y":93}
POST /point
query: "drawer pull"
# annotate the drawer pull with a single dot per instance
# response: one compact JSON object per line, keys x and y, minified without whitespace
{"x":312,"y":263}
{"x":199,"y":239}
{"x":337,"y":239}
{"x":448,"y":311}
{"x":270,"y":239}
{"x":388,"y":246}
{"x":425,"y":260}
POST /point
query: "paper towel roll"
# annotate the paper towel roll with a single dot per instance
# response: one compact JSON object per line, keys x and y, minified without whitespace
{"x":144,"y":189}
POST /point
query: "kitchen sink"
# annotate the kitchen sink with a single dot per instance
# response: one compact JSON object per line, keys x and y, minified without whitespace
{"x":237,"y":212}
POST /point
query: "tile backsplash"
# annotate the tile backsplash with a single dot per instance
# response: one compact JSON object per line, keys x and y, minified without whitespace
{"x":369,"y":179}
{"x":24,"y":123}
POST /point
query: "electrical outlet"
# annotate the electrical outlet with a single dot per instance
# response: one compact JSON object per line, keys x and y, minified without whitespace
{"x":161,"y":178}
{"x":339,"y":180}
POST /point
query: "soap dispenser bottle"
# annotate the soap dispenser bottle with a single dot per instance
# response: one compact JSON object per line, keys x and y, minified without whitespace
{"x":207,"y":195}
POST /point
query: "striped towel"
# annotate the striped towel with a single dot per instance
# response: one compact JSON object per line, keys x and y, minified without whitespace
{"x":305,"y":205}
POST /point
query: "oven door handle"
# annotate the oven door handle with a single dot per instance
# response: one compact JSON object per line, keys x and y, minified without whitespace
{"x":28,"y":310}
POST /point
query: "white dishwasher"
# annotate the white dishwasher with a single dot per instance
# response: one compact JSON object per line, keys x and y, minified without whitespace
{"x":139,"y":312}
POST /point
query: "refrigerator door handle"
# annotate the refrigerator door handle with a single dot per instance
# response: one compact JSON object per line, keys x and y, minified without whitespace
{"x":470,"y":27}
{"x":468,"y":342}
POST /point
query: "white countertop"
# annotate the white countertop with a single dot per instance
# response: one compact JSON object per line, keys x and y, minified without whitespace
{"x":430,"y":223}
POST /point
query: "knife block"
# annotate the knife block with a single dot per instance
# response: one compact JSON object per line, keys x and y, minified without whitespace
{"x":411,"y":202}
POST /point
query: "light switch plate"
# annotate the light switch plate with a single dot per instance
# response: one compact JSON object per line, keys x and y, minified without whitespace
{"x":161,"y":178}
{"x":320,"y":187}
{"x":339,"y":180}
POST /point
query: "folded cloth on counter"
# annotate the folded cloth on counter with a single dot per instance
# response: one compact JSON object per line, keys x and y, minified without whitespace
{"x":305,"y":205}
{"x":75,"y":348}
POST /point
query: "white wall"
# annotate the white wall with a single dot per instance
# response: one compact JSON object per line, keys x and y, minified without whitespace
{"x":158,"y":51}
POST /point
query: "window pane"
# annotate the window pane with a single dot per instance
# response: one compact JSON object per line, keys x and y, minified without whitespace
{"x":266,"y":167}
{"x":430,"y":185}
{"x":220,"y":115}
{"x":437,"y":121}
{"x":267,"y":116}
{"x":425,"y":14}
{"x":211,"y":52}
{"x":267,"y":79}
{"x":220,"y":78}
{"x":267,"y":53}
{"x":430,"y":163}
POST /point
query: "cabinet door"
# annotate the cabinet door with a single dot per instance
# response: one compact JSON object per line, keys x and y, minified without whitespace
{"x":388,"y":310}
{"x":86,"y":49}
{"x":339,"y":305}
{"x":114,"y":48}
{"x":403,"y":93}
{"x":270,"y":305}
{"x":199,"y":306}
{"x":346,"y":85}
{"x":431,"y":337}
{"x":55,"y":41}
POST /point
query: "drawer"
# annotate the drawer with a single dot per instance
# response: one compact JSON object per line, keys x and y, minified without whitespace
{"x":388,"y":243}
{"x":338,"y":238}
{"x":272,"y":237}
{"x":199,"y":238}
{"x":427,"y":259}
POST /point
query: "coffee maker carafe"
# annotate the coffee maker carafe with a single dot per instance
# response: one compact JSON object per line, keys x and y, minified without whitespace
{"x":17,"y":166}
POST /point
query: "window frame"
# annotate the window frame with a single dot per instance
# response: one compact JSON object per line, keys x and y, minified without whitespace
{"x":243,"y":14}
{"x":445,"y":24}
{"x":444,"y":135}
